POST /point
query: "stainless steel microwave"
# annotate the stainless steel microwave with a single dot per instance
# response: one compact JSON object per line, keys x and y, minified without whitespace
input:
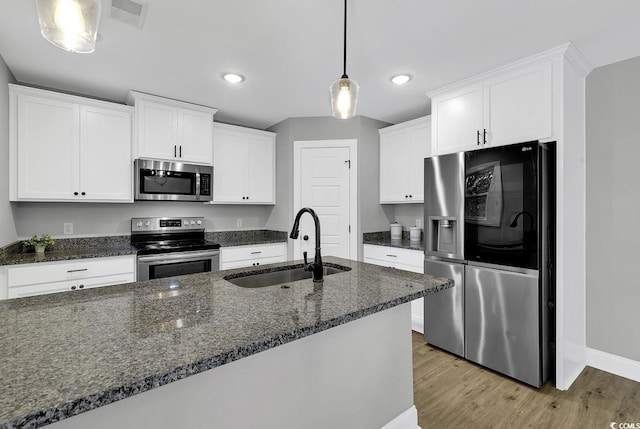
{"x":172,"y":181}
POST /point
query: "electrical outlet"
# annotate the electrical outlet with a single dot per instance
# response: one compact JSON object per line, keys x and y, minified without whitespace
{"x":418,"y":223}
{"x":239,"y":223}
{"x":68,"y":228}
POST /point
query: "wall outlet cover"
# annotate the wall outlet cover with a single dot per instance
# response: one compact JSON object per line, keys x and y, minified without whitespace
{"x":418,"y":223}
{"x":239,"y":223}
{"x":68,"y":228}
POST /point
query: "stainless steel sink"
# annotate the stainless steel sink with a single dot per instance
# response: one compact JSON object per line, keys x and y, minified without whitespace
{"x":280,"y":276}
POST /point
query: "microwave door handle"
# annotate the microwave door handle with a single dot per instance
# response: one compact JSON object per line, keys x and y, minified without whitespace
{"x":197,"y":185}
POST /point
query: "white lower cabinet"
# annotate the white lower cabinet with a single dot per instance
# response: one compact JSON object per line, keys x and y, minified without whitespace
{"x":402,"y":259}
{"x":51,"y":277}
{"x":252,"y":255}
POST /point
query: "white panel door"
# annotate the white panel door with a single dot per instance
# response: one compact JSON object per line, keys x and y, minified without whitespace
{"x":105,"y":154}
{"x":196,"y":133}
{"x":48,"y":133}
{"x":324,"y":187}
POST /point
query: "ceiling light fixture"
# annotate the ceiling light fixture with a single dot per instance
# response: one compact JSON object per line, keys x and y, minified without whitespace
{"x":233,"y":77}
{"x":401,"y":79}
{"x":344,"y":91}
{"x":71,"y":25}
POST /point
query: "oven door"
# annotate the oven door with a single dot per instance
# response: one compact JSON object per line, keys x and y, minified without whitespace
{"x":177,"y":264}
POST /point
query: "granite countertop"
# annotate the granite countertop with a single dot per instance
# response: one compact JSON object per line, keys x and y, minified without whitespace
{"x":67,"y":249}
{"x":68,"y":353}
{"x":383,"y":238}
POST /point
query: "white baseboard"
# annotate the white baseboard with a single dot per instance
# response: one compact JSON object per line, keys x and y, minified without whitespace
{"x":406,"y":420}
{"x":614,"y":364}
{"x":417,"y":323}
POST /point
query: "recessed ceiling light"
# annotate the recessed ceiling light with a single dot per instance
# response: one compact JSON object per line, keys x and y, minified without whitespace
{"x":401,"y":79}
{"x":233,"y":77}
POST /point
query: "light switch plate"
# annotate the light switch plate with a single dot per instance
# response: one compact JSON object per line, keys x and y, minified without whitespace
{"x":239,"y":223}
{"x":68,"y":228}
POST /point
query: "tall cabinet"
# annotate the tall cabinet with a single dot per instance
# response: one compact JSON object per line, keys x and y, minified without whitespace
{"x":68,"y":148}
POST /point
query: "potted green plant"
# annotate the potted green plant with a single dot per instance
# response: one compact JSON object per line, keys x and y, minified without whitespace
{"x":39,"y":242}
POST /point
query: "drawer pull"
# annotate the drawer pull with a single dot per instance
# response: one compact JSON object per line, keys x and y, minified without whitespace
{"x":255,"y":253}
{"x":393,"y":256}
{"x":77,"y":271}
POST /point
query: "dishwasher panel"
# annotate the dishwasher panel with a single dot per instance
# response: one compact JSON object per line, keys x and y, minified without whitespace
{"x":502,"y":322}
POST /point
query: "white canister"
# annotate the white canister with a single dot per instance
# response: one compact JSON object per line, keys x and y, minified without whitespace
{"x":396,"y":231}
{"x":415,"y":233}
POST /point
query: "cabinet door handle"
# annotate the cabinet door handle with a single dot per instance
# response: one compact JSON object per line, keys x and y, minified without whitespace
{"x":484,"y":136}
{"x":83,"y":193}
{"x":393,"y":256}
{"x":75,"y":271}
{"x":180,"y":151}
{"x":81,"y":286}
{"x":73,"y":288}
{"x":256,"y":253}
{"x":75,"y":193}
{"x":478,"y":137}
{"x":406,"y":196}
{"x":175,"y":153}
{"x":410,"y":196}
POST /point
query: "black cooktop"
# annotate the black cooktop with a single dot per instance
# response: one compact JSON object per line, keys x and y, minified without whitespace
{"x":149,"y":244}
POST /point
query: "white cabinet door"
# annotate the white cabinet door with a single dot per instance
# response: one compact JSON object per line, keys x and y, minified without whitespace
{"x":105,"y":155}
{"x":243,"y":165}
{"x":229,"y":166}
{"x":457,"y":120}
{"x":195,"y":133}
{"x":403,"y":148}
{"x":518,"y":106}
{"x":394,"y":170}
{"x":261,"y":170}
{"x":48,"y":138}
{"x":157,"y":126}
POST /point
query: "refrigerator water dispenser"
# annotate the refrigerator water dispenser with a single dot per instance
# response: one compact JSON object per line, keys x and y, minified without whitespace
{"x":444,"y":232}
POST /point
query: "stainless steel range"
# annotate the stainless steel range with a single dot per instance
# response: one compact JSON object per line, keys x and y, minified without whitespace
{"x":170,"y":247}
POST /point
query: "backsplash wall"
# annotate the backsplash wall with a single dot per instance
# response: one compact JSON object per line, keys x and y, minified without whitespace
{"x":93,"y":219}
{"x":406,"y":215}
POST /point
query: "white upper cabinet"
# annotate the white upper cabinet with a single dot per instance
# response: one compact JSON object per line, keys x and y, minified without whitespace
{"x":172,"y":130}
{"x":508,"y":106}
{"x":243,"y":165}
{"x":403,"y":148}
{"x":68,"y":148}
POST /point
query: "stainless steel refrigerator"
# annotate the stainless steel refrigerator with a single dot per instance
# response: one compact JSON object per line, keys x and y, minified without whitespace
{"x":489,"y":225}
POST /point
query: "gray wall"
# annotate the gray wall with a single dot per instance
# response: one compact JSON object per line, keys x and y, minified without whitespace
{"x":372,"y":217}
{"x":7,"y":227}
{"x":613,"y":208}
{"x":115,"y":219}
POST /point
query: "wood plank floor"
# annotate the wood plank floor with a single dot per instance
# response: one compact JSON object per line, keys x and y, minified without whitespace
{"x":450,"y":392}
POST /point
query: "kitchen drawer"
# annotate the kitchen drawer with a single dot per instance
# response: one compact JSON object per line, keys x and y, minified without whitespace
{"x":68,"y":270}
{"x":396,"y":256}
{"x":251,"y":262}
{"x":240,"y":253}
{"x":69,"y":285}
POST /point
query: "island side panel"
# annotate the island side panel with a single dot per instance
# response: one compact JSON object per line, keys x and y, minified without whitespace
{"x":356,"y":375}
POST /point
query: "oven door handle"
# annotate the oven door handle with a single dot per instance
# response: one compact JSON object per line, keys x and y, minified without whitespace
{"x":177,"y":257}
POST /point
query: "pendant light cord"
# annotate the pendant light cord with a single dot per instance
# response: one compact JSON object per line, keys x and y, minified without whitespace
{"x":344,"y":71}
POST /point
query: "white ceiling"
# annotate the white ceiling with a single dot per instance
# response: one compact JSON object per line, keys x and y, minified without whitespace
{"x":291,"y":50}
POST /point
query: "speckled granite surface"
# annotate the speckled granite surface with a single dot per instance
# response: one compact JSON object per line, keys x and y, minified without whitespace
{"x":67,"y":249}
{"x":243,"y":238}
{"x":383,"y":238}
{"x":68,"y":353}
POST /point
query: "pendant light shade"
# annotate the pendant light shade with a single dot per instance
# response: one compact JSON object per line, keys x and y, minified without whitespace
{"x":344,"y":91}
{"x":71,"y":25}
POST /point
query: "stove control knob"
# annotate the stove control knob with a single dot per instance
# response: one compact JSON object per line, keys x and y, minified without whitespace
{"x":185,"y":223}
{"x":199,"y":222}
{"x":139,"y":224}
{"x":193,"y":222}
{"x":147,"y":223}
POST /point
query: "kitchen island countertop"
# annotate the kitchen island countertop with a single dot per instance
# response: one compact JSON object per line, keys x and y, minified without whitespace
{"x":67,"y":353}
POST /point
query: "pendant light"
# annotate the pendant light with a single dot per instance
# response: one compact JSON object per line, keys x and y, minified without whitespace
{"x":344,"y":91}
{"x":71,"y":25}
